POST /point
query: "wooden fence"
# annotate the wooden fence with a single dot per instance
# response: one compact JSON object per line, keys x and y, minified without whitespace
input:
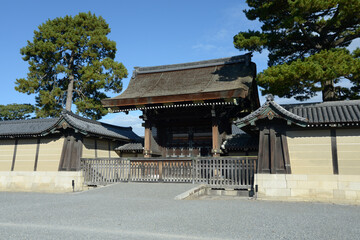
{"x":225,"y":172}
{"x":216,"y":172}
{"x":101,"y":171}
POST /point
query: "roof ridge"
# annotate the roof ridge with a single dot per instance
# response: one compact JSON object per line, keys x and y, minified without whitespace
{"x":66,"y":112}
{"x":328,"y":103}
{"x":42,"y":127}
{"x":264,"y":110}
{"x":197,"y":64}
{"x":28,"y":127}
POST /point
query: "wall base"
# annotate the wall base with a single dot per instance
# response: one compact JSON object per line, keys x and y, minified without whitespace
{"x":320,"y":188}
{"x":53,"y":182}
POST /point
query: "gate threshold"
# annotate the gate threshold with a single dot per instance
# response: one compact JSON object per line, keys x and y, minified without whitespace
{"x":207,"y":192}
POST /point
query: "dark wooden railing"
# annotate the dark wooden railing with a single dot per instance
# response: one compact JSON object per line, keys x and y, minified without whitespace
{"x":225,"y":172}
{"x":144,"y":171}
{"x":232,"y":172}
{"x":100,"y":171}
{"x":181,"y":152}
{"x":177,"y":171}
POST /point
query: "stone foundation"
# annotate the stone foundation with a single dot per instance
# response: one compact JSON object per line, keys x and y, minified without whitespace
{"x":41,"y":181}
{"x":321,"y":188}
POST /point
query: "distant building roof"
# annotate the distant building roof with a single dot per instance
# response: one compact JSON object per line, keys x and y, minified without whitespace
{"x":42,"y":127}
{"x":327,"y":112}
{"x":129,"y":147}
{"x":307,"y":114}
{"x":27,"y":127}
{"x":223,"y":78}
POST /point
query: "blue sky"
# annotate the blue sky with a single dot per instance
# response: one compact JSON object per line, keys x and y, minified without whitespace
{"x":147,"y":33}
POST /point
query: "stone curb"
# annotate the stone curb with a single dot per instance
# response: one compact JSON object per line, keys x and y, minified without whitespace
{"x":196,"y":191}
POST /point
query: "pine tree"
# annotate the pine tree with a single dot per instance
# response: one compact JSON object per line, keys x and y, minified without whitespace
{"x":71,"y":62}
{"x":16,"y":111}
{"x":307,"y":41}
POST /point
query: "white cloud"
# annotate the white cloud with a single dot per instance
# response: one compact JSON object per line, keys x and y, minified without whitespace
{"x":222,"y":34}
{"x":261,"y":60}
{"x":236,"y":13}
{"x":236,"y":20}
{"x":217,"y":40}
{"x":355,"y":44}
{"x":204,"y":47}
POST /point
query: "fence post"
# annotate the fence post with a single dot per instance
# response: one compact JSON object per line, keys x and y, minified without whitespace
{"x":129,"y":173}
{"x":160,"y":164}
{"x":193,"y":169}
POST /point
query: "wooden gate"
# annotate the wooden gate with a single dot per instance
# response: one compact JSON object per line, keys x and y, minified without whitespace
{"x":225,"y":172}
{"x":222,"y":172}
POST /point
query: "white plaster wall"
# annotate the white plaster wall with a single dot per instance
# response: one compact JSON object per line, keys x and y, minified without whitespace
{"x":310,"y":152}
{"x":6,"y":154}
{"x":24,"y":181}
{"x":49,"y":154}
{"x":348,"y":147}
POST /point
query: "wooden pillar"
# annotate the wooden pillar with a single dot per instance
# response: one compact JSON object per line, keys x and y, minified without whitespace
{"x":273,"y":151}
{"x":14,"y":155}
{"x":71,"y":153}
{"x":160,"y":171}
{"x":147,"y":140}
{"x":264,"y":151}
{"x":215,"y":135}
{"x":272,"y":142}
{"x":37,"y":154}
{"x":334,"y":151}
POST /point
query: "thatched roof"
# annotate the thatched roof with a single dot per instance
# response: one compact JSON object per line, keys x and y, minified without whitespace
{"x":223,"y":78}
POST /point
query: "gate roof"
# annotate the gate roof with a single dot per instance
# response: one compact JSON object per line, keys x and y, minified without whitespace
{"x":224,"y":78}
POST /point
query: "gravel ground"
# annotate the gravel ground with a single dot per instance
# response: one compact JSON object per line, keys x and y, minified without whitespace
{"x":149,"y":211}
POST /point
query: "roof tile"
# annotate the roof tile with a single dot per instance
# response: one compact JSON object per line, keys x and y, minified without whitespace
{"x":38,"y":127}
{"x":327,"y":112}
{"x":131,"y":147}
{"x":212,"y":79}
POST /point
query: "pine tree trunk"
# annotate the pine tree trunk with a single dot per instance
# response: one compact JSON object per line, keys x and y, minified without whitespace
{"x":328,"y":91}
{"x":70,"y":89}
{"x":69,"y":94}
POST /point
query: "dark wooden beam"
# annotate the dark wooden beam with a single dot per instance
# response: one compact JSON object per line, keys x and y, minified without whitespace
{"x":68,"y":154}
{"x":14,"y":155}
{"x":278,"y":154}
{"x":109,"y":148}
{"x":63,"y":154}
{"x":261,"y":151}
{"x":266,"y":155}
{"x":71,"y":153}
{"x":79,"y":153}
{"x":334,"y":151}
{"x":272,"y":151}
{"x":215,"y":133}
{"x":37,"y":154}
{"x":215,"y":139}
{"x":95,"y":146}
{"x":147,"y":140}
